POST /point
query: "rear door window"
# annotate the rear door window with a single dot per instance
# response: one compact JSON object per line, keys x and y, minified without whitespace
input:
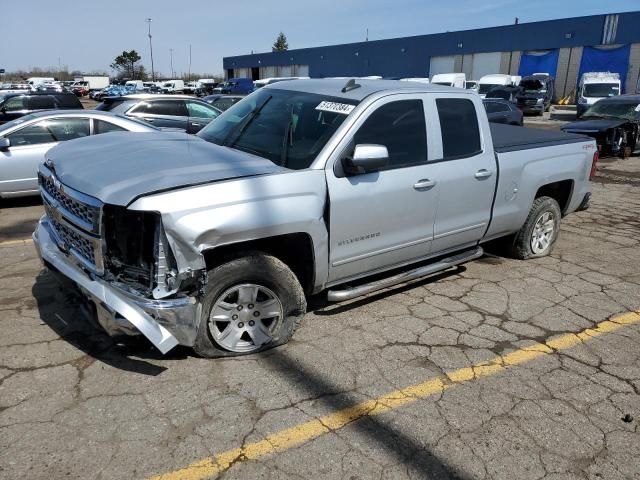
{"x":459,"y":128}
{"x":40,"y":102}
{"x":100,"y":126}
{"x":67,"y":101}
{"x":173,"y":108}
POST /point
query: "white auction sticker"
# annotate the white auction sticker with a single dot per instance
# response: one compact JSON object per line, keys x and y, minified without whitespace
{"x":343,"y":108}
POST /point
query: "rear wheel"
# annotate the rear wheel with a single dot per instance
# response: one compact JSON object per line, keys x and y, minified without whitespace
{"x":539,"y":232}
{"x":251,"y":304}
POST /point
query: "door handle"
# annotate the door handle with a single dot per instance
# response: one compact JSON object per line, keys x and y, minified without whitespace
{"x":424,"y":184}
{"x":195,"y":124}
{"x":483,"y":173}
{"x":150,"y":120}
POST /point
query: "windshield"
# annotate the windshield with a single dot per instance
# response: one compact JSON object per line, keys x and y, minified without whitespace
{"x":600,"y":90}
{"x":287,"y":127}
{"x":532,"y":86}
{"x":485,"y":87}
{"x":614,"y":109}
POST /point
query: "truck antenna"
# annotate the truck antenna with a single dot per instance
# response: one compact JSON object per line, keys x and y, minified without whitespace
{"x":350,"y":85}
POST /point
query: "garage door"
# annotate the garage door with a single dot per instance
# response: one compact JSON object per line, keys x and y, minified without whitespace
{"x":441,"y":65}
{"x":485,"y":64}
{"x":302,"y":70}
{"x":605,"y":59}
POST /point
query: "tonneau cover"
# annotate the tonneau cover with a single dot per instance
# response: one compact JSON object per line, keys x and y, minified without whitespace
{"x":509,"y":138}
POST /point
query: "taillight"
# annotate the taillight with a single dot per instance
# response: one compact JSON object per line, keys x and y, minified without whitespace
{"x":594,"y":165}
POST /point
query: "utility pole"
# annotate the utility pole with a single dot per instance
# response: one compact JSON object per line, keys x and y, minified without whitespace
{"x":189,"y":76}
{"x":366,"y":38}
{"x":153,"y":73}
{"x":173,"y":74}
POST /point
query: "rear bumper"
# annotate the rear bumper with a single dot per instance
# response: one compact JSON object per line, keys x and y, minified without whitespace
{"x":166,"y":323}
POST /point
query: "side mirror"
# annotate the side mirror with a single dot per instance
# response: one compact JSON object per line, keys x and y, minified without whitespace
{"x":5,"y":143}
{"x":366,"y":158}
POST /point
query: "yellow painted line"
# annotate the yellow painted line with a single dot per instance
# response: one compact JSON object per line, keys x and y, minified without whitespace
{"x":25,"y":241}
{"x":302,"y":433}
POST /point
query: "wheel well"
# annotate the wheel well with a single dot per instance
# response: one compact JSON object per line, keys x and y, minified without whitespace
{"x":293,"y":249}
{"x":559,"y":191}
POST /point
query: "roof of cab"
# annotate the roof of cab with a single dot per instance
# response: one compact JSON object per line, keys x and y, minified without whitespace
{"x":333,"y":87}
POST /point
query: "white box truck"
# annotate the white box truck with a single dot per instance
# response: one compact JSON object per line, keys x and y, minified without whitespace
{"x":595,"y":86}
{"x":91,"y":82}
{"x":488,"y":82}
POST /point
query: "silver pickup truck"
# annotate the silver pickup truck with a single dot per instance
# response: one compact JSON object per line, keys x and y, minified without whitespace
{"x":216,"y":241}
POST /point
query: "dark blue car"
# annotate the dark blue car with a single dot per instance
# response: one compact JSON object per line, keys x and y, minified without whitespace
{"x":236,"y":85}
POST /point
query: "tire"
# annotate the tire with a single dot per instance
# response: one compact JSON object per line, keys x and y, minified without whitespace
{"x":528,"y":242}
{"x":227,"y":330}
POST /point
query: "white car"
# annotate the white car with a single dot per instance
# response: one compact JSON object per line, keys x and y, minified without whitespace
{"x":25,"y":141}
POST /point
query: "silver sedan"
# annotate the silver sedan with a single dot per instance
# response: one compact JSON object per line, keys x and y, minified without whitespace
{"x":25,"y":141}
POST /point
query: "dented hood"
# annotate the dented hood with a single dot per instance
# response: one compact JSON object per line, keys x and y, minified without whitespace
{"x":119,"y":167}
{"x":593,"y":126}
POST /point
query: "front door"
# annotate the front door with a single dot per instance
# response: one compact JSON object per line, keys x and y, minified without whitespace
{"x":384,"y":218}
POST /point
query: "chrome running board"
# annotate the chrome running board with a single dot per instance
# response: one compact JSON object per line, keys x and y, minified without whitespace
{"x":445,"y":263}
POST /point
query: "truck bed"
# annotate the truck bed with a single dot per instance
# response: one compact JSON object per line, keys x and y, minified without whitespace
{"x":509,"y":138}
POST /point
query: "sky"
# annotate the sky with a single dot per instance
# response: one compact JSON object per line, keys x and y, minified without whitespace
{"x":88,"y":35}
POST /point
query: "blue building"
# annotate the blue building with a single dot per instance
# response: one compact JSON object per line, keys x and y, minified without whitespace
{"x":565,"y":48}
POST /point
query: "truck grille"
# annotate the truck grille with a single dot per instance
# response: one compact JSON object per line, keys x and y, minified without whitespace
{"x":75,"y":219}
{"x":87,"y":214}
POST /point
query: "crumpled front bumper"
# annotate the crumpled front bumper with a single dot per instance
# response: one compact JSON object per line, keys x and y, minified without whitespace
{"x":166,"y":323}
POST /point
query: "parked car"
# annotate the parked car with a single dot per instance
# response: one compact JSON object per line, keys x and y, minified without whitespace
{"x":614,"y":123}
{"x":488,"y":82}
{"x":172,"y":86}
{"x":168,"y":111}
{"x":595,"y":86}
{"x":302,"y":187}
{"x":191,"y":87}
{"x":15,"y":88}
{"x":502,"y":111}
{"x":505,"y":92}
{"x":235,"y":85}
{"x":457,"y":80}
{"x":206,"y":88}
{"x":16,"y":105}
{"x":537,"y":93}
{"x":25,"y":141}
{"x":222,"y":102}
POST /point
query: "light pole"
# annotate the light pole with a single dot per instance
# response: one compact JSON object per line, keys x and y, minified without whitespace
{"x":153,"y":74}
{"x":173,"y":74}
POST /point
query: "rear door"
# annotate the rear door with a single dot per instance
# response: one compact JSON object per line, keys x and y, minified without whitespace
{"x":465,"y":169}
{"x":170,"y":113}
{"x":19,"y":163}
{"x":385,"y":218}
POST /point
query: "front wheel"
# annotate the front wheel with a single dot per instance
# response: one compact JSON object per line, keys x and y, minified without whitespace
{"x":251,"y":304}
{"x":540,"y":231}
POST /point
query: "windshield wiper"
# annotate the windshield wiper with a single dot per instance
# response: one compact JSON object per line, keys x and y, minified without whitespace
{"x":244,"y":124}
